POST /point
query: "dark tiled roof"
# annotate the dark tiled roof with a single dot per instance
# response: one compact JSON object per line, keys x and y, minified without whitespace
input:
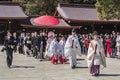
{"x":11,"y":11}
{"x":80,"y":13}
{"x":8,"y":3}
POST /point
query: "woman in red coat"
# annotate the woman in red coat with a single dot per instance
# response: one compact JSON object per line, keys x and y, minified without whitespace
{"x":108,"y":49}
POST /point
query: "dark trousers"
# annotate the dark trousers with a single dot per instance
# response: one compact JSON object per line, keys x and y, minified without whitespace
{"x":35,"y":52}
{"x":9,"y":52}
{"x":41,"y":55}
{"x":15,"y":48}
{"x":21,"y":49}
{"x":113,"y":52}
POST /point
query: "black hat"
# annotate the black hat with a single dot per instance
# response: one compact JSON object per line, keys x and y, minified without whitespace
{"x":94,"y":33}
{"x":73,"y":30}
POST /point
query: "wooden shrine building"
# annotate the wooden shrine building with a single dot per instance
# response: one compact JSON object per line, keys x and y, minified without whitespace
{"x":86,"y":16}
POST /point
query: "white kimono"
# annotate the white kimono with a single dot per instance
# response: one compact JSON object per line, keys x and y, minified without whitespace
{"x":99,"y":57}
{"x":71,"y":52}
{"x":62,"y":44}
{"x":47,"y":47}
{"x":54,"y":48}
{"x":118,"y":45}
{"x":68,"y":50}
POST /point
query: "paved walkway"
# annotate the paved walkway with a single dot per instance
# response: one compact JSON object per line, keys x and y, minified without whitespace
{"x":28,"y":68}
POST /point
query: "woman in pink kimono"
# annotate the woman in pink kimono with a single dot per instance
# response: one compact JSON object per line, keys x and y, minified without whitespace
{"x":96,"y":55}
{"x":108,"y":49}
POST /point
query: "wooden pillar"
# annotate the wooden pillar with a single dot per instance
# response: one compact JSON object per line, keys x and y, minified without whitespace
{"x":6,"y":27}
{"x":9,"y":25}
{"x":93,"y":27}
{"x":46,"y":30}
{"x":55,"y":14}
{"x":115,"y":28}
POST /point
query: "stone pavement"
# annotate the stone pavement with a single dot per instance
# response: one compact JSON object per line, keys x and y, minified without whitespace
{"x":28,"y":68}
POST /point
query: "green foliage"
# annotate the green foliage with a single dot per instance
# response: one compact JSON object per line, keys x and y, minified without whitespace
{"x":42,"y":7}
{"x":108,"y":9}
{"x":38,"y":7}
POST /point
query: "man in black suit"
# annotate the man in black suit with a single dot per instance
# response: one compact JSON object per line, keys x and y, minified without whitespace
{"x":42,"y":43}
{"x":9,"y":48}
{"x":21,"y":42}
{"x":34,"y":40}
{"x":15,"y":41}
{"x":113,"y":44}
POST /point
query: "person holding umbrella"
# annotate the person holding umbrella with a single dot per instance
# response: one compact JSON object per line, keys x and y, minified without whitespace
{"x":95,"y":55}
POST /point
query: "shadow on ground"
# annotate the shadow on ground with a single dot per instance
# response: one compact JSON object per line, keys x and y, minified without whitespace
{"x":80,"y":59}
{"x":81,"y":67}
{"x":109,"y":75}
{"x":14,"y":66}
{"x":77,"y":59}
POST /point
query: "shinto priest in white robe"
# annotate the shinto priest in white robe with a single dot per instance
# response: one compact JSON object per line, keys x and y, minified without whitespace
{"x":72,"y":47}
{"x":99,"y":57}
{"x":68,"y":50}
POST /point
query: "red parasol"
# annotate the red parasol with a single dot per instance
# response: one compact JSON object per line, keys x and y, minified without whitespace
{"x":46,"y":20}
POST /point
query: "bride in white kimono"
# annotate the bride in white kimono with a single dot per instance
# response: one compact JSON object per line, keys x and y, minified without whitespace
{"x":96,"y":55}
{"x":49,"y":40}
{"x":72,"y":47}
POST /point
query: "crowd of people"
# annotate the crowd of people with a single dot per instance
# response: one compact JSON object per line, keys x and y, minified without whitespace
{"x":59,"y":47}
{"x":110,"y":43}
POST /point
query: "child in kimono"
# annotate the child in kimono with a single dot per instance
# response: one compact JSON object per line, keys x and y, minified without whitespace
{"x":62,"y":45}
{"x":54,"y":51}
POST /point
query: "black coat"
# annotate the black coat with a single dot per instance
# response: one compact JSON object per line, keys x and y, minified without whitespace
{"x":21,"y":41}
{"x":15,"y":40}
{"x":42,"y":40}
{"x":113,"y":42}
{"x":8,"y":41}
{"x":34,"y":41}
